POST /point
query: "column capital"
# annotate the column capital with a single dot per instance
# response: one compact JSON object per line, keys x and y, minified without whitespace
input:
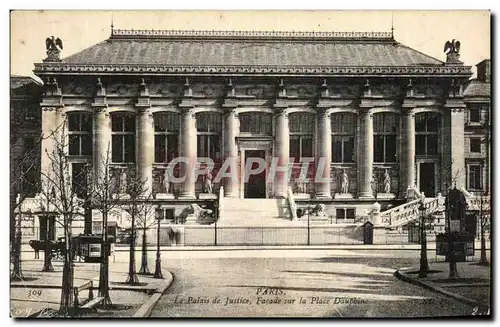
{"x":410,"y":111}
{"x":144,"y":111}
{"x":366,"y":111}
{"x":282,"y":111}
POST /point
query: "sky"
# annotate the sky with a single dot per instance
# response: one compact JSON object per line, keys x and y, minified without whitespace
{"x":425,"y":31}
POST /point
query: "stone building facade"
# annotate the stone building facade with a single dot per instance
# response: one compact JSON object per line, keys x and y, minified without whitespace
{"x":25,"y":132}
{"x":386,"y":118}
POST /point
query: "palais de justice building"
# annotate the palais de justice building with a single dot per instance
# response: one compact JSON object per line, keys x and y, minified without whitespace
{"x":387,"y":118}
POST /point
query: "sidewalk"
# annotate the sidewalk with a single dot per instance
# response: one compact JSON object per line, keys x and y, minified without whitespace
{"x":472,"y":287}
{"x":41,"y":291}
{"x":25,"y":248}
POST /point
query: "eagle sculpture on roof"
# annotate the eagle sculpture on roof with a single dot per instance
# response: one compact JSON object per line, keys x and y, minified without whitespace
{"x":452,"y":47}
{"x":53,"y":43}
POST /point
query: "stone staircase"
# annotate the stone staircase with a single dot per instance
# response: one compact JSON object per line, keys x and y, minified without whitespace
{"x":254,"y":212}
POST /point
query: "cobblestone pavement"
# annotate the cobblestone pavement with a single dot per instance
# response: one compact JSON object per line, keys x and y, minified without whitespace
{"x":298,"y":283}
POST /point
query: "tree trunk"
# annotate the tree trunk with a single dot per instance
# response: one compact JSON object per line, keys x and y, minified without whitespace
{"x":484,"y":259}
{"x":104,"y":278}
{"x":104,"y":267}
{"x":47,"y":256}
{"x":16,"y":252}
{"x":132,"y":275}
{"x":66,"y":305}
{"x":144,"y":258}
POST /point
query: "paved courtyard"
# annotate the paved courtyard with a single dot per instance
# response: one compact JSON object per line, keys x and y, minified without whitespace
{"x":299,"y":283}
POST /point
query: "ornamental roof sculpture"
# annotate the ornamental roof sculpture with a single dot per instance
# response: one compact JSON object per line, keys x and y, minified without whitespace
{"x":251,"y":53}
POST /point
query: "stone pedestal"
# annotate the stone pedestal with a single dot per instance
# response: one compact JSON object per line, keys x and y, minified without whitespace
{"x":164,"y":196}
{"x":121,"y":196}
{"x":343,"y":196}
{"x":301,"y":196}
{"x":385,"y":196}
{"x":191,"y":219}
{"x":207,"y":196}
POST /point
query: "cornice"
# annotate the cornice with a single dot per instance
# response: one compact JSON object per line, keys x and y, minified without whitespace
{"x":130,"y":69}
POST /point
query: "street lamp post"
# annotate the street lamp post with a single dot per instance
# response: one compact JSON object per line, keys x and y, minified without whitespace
{"x":308,"y":226}
{"x":159,"y":217}
{"x":424,"y":264}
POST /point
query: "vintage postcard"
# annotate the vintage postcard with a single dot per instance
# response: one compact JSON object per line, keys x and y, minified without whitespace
{"x":250,"y":164}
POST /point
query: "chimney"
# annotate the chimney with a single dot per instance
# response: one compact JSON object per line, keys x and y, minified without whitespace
{"x":484,"y":70}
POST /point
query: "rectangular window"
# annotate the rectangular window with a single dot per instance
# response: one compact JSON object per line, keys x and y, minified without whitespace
{"x":209,"y":146}
{"x":474,"y":115}
{"x":378,"y":148}
{"x":475,"y":145}
{"x":306,"y":147}
{"x":80,"y":133}
{"x":385,"y":128}
{"x":123,"y":138}
{"x":475,"y":177}
{"x":295,"y":147}
{"x":351,"y":213}
{"x":336,"y":148}
{"x":432,"y":144}
{"x":390,"y":148}
{"x":256,"y":123}
{"x":340,"y":214}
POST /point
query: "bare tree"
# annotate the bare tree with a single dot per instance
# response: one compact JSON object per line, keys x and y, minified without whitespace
{"x":137,"y":205}
{"x":145,"y":220}
{"x":62,"y":199}
{"x":44,"y":199}
{"x":484,"y":212}
{"x":104,"y":200}
{"x":19,"y":184}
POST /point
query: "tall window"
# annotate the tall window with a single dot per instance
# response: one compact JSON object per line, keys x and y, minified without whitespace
{"x":123,"y":137}
{"x":301,"y":135}
{"x":166,"y":136}
{"x":385,"y":130}
{"x":80,"y":133}
{"x":427,"y":126}
{"x":474,"y":114}
{"x":255,"y":122}
{"x":475,"y":144}
{"x":209,"y":127}
{"x":475,"y":177}
{"x":343,"y":133}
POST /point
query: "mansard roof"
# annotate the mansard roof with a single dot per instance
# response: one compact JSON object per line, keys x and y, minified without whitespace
{"x":477,"y":88}
{"x":171,"y":51}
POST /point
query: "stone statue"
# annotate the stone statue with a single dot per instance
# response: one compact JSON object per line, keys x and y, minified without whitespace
{"x":207,"y":187}
{"x":300,"y":186}
{"x":452,"y":50}
{"x":387,"y":182}
{"x":54,"y":47}
{"x":344,"y":182}
{"x":123,"y":181}
{"x":166,"y":181}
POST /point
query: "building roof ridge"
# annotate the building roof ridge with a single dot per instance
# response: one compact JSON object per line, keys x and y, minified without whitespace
{"x":249,"y":34}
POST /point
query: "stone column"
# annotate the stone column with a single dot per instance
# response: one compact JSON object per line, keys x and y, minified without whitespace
{"x":102,"y":142}
{"x":324,"y":153}
{"x":51,"y":129}
{"x":365,"y":166}
{"x":408,"y":154}
{"x":458,"y":173}
{"x":231,"y":185}
{"x":145,"y":148}
{"x":188,"y":151}
{"x":282,"y":153}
